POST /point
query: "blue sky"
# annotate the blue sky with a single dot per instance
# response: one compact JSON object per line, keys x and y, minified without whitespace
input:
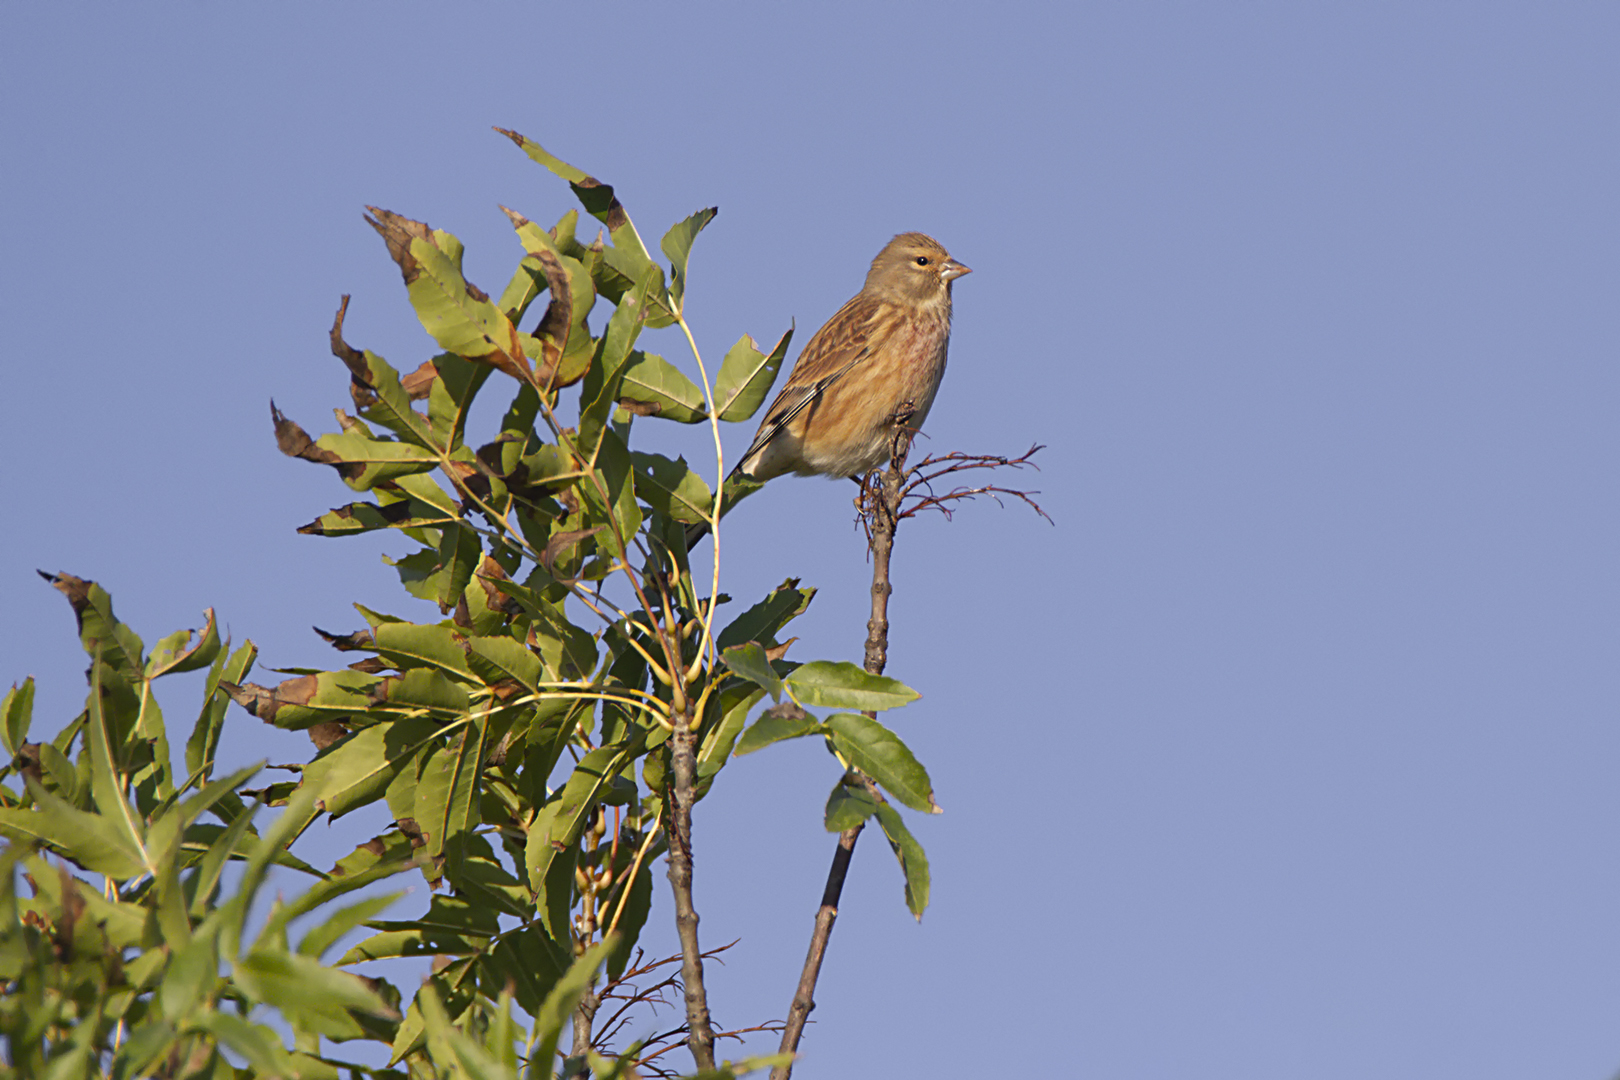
{"x":1288,"y":751}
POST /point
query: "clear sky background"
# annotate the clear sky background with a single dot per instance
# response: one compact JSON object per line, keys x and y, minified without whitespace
{"x":1288,"y":752}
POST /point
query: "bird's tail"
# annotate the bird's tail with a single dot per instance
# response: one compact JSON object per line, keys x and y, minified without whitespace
{"x":737,"y":487}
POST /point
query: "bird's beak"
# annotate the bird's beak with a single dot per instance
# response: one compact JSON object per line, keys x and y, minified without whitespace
{"x":954,"y":270}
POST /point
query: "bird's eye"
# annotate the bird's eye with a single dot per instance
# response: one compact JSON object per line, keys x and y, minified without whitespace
{"x":922,"y":260}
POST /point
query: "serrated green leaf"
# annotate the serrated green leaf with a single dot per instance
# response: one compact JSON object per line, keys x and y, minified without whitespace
{"x":913,"y":862}
{"x":842,"y":685}
{"x":879,"y":752}
{"x":746,"y":376}
{"x":652,"y":386}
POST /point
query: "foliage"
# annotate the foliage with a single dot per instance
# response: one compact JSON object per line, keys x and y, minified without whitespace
{"x":537,"y":747}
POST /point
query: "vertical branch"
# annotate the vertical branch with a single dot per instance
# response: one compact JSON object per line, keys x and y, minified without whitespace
{"x":683,"y":761}
{"x":584,"y":1017}
{"x":883,"y":508}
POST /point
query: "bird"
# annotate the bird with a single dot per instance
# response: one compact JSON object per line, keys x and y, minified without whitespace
{"x":870,"y":371}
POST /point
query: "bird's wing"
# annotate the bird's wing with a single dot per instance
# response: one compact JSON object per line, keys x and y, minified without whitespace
{"x":843,"y":342}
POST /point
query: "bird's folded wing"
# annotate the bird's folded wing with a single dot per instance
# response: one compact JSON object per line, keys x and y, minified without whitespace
{"x":836,"y":349}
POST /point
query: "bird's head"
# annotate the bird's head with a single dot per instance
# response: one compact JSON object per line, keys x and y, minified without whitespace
{"x":914,"y":268}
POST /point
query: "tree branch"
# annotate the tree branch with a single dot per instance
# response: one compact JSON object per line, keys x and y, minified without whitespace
{"x":881,"y":510}
{"x":683,"y":761}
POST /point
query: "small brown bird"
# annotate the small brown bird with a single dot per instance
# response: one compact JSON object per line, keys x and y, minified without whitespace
{"x":872,"y":369}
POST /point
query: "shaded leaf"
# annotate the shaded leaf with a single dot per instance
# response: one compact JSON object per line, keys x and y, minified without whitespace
{"x":848,"y":806}
{"x":913,"y":863}
{"x":672,"y":488}
{"x":764,"y":620}
{"x":749,"y":661}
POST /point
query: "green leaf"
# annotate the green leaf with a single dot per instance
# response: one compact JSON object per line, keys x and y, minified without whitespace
{"x":562,"y":342}
{"x":356,"y":770}
{"x":447,"y":1045}
{"x":746,"y":376}
{"x":637,"y":906}
{"x":672,"y":488}
{"x":411,"y":645}
{"x":749,"y":662}
{"x":876,"y":750}
{"x":652,"y":386}
{"x":677,"y":245}
{"x":459,"y":552}
{"x":452,"y":926}
{"x":565,"y":816}
{"x":190,"y":976}
{"x":450,"y":397}
{"x":204,"y":741}
{"x":255,"y":1043}
{"x":309,"y":994}
{"x":611,"y":494}
{"x":784,"y":722}
{"x":731,"y":705}
{"x":842,"y":685}
{"x":99,"y":630}
{"x":765,"y":620}
{"x":16,"y":713}
{"x":457,"y":314}
{"x":176,"y":653}
{"x":600,"y":392}
{"x":378,"y":858}
{"x":848,"y":806}
{"x":913,"y":863}
{"x":97,"y":843}
{"x":364,"y":517}
{"x":323,"y":937}
{"x":564,"y":999}
{"x":447,"y":795}
{"x":105,"y":782}
{"x":498,"y":657}
{"x":307,"y":700}
{"x":364,"y":462}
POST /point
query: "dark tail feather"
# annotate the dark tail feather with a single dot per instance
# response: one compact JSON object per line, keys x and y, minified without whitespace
{"x":694,"y":533}
{"x":737,"y":486}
